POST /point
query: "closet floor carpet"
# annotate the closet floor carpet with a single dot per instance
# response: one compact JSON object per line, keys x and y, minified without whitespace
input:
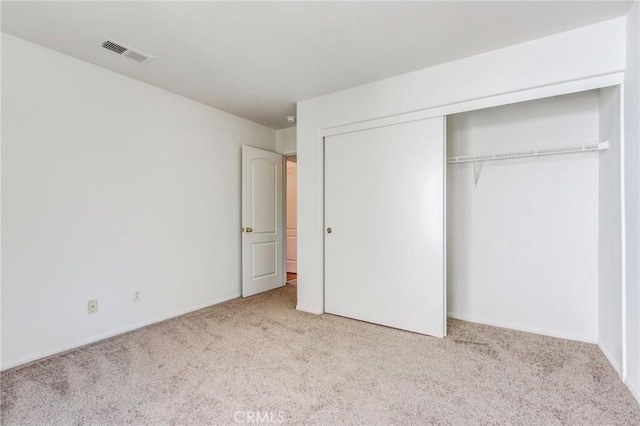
{"x":249,"y":359}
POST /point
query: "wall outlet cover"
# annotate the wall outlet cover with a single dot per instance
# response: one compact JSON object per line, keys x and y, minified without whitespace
{"x":92,"y":306}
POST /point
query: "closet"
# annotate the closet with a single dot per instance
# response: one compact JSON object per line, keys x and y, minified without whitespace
{"x":532,"y":218}
{"x":534,"y":242}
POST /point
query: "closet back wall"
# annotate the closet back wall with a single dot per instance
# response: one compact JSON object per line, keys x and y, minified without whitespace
{"x":523,"y":244}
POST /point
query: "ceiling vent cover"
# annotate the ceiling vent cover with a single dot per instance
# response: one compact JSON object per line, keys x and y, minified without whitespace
{"x":126,"y":51}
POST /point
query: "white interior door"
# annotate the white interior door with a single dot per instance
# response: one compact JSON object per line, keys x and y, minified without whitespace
{"x":262,"y":227}
{"x":385,"y":226}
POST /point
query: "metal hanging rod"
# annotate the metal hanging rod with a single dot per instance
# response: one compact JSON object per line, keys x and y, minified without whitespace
{"x":530,"y":153}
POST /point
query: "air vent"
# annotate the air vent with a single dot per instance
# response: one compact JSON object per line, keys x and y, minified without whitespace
{"x":126,"y":51}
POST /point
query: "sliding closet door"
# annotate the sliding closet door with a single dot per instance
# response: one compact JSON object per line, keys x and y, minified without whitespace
{"x":384,"y":226}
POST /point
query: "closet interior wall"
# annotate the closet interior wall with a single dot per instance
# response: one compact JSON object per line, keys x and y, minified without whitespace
{"x":523,"y":241}
{"x":610,"y":225}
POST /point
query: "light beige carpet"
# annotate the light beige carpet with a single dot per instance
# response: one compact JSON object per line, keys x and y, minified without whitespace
{"x":261,"y":355}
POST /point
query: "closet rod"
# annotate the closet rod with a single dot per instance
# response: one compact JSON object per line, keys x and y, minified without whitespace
{"x":530,"y":153}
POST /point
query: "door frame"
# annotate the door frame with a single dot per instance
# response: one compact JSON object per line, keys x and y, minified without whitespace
{"x":284,"y":209}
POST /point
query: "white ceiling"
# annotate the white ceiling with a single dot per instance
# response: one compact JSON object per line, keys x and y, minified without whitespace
{"x":257,"y":59}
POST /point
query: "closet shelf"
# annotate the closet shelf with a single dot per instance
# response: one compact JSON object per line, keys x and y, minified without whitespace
{"x":529,"y":153}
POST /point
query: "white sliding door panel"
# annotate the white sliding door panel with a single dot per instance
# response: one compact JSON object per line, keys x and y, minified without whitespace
{"x":384,"y":205}
{"x":262,"y":213}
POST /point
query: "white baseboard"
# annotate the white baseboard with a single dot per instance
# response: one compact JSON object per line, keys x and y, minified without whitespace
{"x":611,"y":359}
{"x":633,"y":390}
{"x":551,"y":333}
{"x":309,"y":310}
{"x":95,"y":338}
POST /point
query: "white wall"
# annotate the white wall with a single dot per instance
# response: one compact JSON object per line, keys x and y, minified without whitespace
{"x":522,"y":245}
{"x":610,"y":264}
{"x":286,"y":140}
{"x":632,"y":191}
{"x":590,"y":51}
{"x":110,"y":185}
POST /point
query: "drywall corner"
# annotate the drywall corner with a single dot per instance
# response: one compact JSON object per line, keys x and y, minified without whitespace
{"x":286,"y":141}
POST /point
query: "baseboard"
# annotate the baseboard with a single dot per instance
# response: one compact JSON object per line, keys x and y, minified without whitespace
{"x":96,"y":338}
{"x":550,"y":333}
{"x":309,"y":310}
{"x":611,"y":359}
{"x":633,"y":390}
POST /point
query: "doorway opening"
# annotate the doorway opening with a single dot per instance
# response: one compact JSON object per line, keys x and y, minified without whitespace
{"x":291,"y":218}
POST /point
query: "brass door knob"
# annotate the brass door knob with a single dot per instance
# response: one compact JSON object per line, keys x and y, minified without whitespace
{"x":329,"y":230}
{"x":248,"y":230}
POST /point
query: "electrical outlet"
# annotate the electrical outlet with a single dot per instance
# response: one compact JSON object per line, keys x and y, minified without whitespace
{"x":92,"y":306}
{"x":137,"y":296}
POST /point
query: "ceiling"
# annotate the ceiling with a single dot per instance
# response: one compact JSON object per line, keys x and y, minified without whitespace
{"x":257,"y":59}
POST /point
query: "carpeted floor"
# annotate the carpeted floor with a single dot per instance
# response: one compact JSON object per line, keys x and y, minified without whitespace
{"x":259,"y":355}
